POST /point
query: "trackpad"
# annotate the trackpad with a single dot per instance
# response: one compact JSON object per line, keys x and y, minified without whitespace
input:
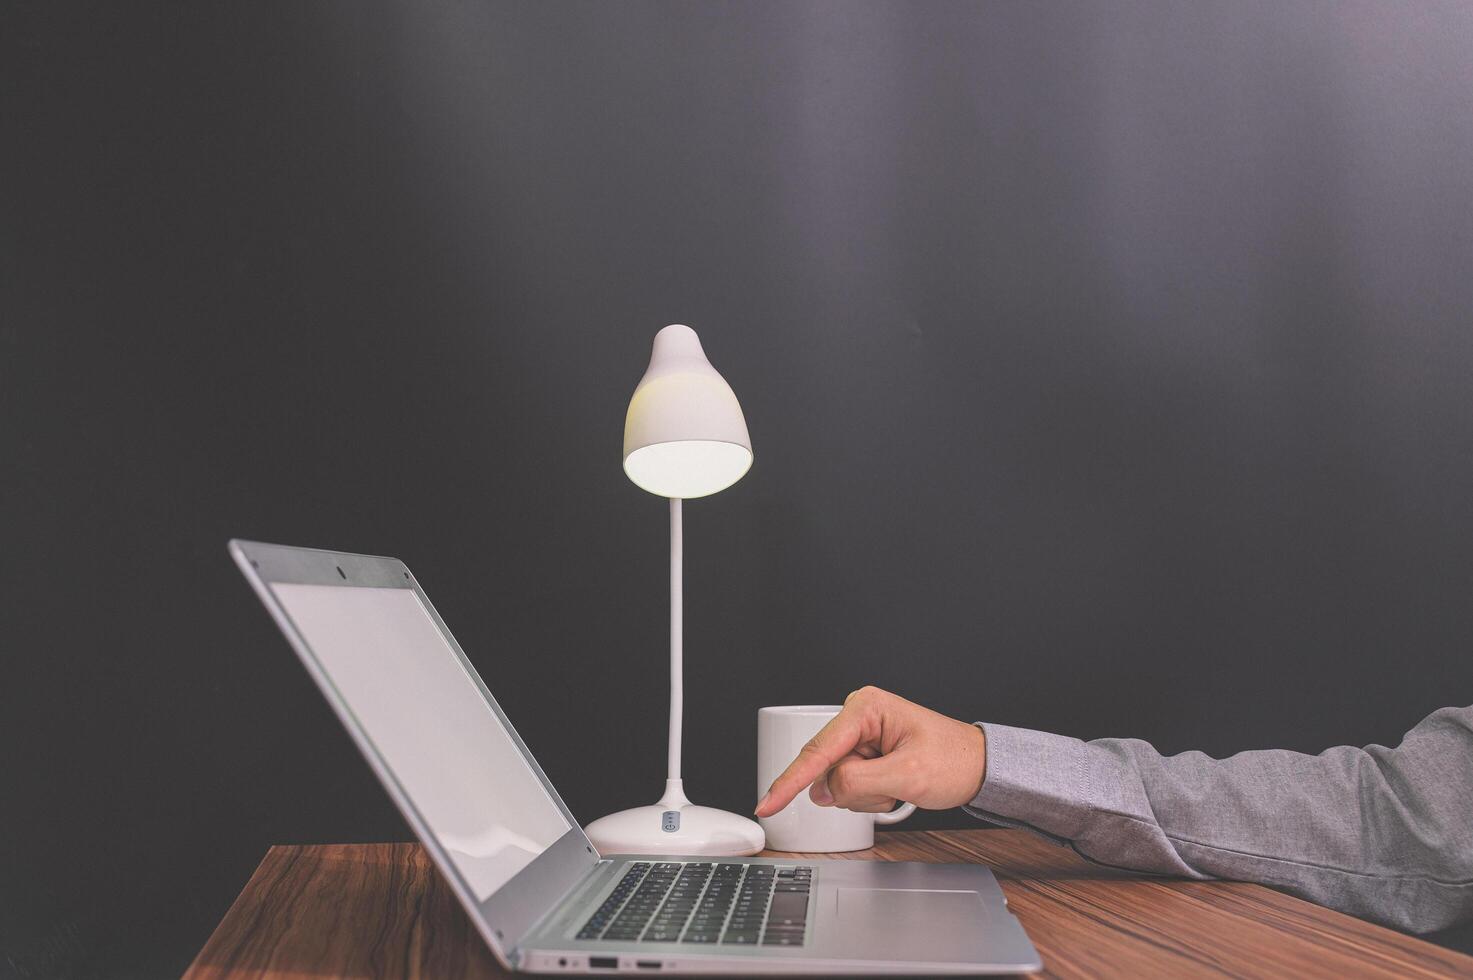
{"x":888,"y":922}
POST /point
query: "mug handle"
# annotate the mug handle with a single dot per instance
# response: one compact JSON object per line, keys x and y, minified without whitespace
{"x":896,"y":815}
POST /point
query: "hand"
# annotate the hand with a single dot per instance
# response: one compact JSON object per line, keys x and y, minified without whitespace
{"x":881,"y":748}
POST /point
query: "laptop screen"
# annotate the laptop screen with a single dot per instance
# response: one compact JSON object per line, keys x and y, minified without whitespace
{"x":430,"y":724}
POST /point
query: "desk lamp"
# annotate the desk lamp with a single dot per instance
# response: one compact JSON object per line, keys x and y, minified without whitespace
{"x":684,"y":437}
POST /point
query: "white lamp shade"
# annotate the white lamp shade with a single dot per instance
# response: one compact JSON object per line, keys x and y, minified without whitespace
{"x":684,"y":435}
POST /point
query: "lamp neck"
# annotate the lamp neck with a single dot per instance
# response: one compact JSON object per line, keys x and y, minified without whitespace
{"x":674,"y":797}
{"x":677,"y":652}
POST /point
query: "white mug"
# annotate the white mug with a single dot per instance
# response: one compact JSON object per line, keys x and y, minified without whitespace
{"x":803,"y":825}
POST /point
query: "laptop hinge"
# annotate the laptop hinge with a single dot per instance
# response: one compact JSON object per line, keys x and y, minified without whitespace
{"x":514,"y":951}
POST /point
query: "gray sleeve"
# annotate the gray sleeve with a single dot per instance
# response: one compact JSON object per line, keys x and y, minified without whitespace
{"x":1384,"y":834}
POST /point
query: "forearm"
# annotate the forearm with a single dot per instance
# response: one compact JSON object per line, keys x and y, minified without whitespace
{"x":1377,"y":832}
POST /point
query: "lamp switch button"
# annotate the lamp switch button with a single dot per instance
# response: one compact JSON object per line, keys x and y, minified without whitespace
{"x":670,"y":821}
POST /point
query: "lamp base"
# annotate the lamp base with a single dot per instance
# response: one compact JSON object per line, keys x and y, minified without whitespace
{"x":676,"y":826}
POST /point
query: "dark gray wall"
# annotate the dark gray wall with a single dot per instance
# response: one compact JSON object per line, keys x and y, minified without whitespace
{"x":1107,"y":366}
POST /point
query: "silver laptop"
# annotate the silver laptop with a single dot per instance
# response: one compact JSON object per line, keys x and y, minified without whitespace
{"x":544,"y":900}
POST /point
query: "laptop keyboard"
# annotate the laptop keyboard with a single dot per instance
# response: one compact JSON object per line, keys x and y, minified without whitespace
{"x":729,"y":904}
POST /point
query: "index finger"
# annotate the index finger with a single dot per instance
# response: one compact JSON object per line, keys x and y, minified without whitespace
{"x":832,"y":743}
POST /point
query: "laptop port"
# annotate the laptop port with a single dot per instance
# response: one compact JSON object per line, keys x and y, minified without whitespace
{"x":647,"y":964}
{"x":604,"y":962}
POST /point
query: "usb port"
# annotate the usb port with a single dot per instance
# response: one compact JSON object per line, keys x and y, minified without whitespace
{"x":604,"y":962}
{"x":647,"y":964}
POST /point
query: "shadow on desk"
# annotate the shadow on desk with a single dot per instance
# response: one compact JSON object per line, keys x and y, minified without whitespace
{"x":1459,"y":938}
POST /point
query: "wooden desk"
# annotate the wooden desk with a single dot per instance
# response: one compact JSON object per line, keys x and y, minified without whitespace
{"x":381,"y":910}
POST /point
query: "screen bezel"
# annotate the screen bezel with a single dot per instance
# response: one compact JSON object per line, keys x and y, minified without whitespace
{"x":509,"y":913}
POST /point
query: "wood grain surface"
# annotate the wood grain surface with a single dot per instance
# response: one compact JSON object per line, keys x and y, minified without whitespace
{"x":381,"y":910}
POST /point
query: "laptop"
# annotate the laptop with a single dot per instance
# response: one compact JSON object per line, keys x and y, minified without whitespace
{"x":533,"y":885}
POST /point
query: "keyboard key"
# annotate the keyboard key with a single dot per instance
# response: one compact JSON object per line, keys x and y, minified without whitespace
{"x":788,"y":906}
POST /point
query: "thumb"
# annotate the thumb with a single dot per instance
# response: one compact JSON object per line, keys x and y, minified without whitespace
{"x":857,"y":783}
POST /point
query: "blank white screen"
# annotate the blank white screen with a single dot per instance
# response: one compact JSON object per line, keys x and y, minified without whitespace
{"x":429,"y":722}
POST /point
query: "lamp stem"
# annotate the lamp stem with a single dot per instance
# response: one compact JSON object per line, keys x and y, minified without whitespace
{"x":677,"y":652}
